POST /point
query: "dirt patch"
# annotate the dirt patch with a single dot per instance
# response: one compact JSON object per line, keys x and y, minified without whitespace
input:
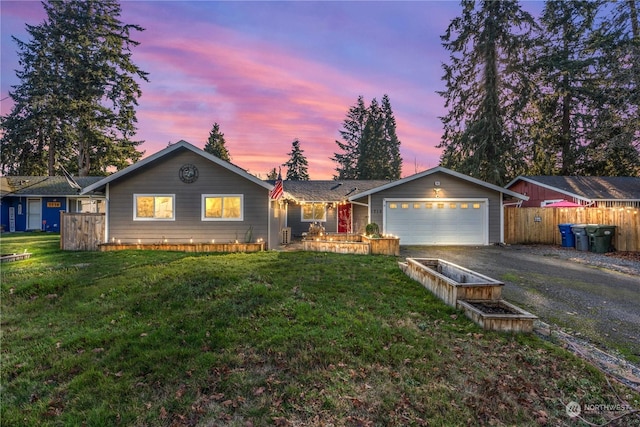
{"x":492,"y":307}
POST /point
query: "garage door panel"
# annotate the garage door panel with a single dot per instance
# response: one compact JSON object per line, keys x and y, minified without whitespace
{"x":437,"y":223}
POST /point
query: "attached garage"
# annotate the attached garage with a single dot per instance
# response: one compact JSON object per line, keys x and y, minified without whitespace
{"x":437,"y":221}
{"x":438,"y":207}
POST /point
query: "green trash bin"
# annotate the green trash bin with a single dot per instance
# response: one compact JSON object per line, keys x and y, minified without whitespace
{"x":601,"y":237}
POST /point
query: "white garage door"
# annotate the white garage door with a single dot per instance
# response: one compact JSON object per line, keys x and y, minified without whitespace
{"x":437,"y":222}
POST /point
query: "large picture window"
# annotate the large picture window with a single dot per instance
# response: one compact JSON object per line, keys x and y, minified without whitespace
{"x":222,"y":207}
{"x":314,"y":212}
{"x":153,"y":207}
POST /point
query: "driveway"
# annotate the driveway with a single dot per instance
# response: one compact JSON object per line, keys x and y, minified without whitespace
{"x":590,"y":295}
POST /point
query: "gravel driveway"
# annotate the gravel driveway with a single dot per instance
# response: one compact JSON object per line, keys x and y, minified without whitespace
{"x":590,"y":295}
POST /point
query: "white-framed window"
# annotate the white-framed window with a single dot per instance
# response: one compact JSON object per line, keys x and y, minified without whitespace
{"x":222,"y":207}
{"x":86,"y":205}
{"x":154,"y":207}
{"x":312,"y":212}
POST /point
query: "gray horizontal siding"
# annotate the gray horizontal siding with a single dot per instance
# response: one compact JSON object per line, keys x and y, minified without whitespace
{"x":451,"y":187}
{"x":161,"y":177}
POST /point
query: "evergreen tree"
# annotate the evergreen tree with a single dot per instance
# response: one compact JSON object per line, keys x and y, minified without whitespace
{"x":216,"y":144}
{"x":297,"y":164}
{"x":351,"y":133}
{"x":568,"y":89}
{"x":76,"y":101}
{"x":272,"y":175}
{"x":613,"y":144}
{"x":393,"y":168}
{"x":484,"y":88}
{"x":372,"y":159}
{"x":371,"y":148}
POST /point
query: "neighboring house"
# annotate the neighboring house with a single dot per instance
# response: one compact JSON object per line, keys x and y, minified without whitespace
{"x":325,"y":203}
{"x":35,"y":202}
{"x":593,"y":191}
{"x":436,"y":207}
{"x":183,"y":194}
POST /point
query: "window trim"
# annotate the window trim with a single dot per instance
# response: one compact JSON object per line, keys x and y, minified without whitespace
{"x":203,"y":202}
{"x":154,"y":195}
{"x":313,"y":204}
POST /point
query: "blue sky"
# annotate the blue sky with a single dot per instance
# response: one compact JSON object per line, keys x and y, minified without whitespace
{"x":269,"y":72}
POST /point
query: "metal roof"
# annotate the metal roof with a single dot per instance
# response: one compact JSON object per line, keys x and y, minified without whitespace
{"x":589,"y":187}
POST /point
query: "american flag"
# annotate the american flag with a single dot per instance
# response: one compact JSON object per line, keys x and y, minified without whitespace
{"x":278,"y":189}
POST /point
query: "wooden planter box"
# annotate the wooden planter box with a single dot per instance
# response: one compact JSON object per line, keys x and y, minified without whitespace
{"x":474,"y":293}
{"x":513,"y":319}
{"x":353,"y":244}
{"x":450,"y":282}
{"x":383,"y":245}
{"x":184,"y":247}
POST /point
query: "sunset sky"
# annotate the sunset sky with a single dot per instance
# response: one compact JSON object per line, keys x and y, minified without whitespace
{"x":271,"y":72}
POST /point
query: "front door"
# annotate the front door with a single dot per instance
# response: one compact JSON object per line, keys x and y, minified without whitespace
{"x":344,"y":218}
{"x":34,"y":214}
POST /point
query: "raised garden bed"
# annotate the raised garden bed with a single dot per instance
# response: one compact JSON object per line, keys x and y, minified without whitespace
{"x":474,"y":293}
{"x":353,"y":244}
{"x":498,"y":315}
{"x":450,"y":282}
{"x":14,"y":257}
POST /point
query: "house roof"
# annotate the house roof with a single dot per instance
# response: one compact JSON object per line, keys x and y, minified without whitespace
{"x":38,"y":186}
{"x":441,"y":170}
{"x":589,"y":188}
{"x":181,"y":145}
{"x":327,"y":191}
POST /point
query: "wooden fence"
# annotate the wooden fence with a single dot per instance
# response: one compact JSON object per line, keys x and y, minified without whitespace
{"x":81,"y":231}
{"x":540,"y":225}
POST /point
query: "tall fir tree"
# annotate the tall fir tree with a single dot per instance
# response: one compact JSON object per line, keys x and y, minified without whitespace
{"x":76,"y":100}
{"x":487,"y":43}
{"x":371,"y":158}
{"x":393,"y":168}
{"x":568,"y":89}
{"x":216,"y":144}
{"x":297,"y":165}
{"x":351,"y":133}
{"x":370,"y":147}
{"x":613,"y":144}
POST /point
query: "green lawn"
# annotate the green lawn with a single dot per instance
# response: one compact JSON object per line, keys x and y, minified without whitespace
{"x":274,"y":338}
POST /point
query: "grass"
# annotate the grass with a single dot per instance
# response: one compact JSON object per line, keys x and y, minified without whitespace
{"x":165,"y":338}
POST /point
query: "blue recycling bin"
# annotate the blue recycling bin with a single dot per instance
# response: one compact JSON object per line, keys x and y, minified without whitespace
{"x":568,"y":240}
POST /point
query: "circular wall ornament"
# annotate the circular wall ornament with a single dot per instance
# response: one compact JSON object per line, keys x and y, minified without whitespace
{"x":188,"y":173}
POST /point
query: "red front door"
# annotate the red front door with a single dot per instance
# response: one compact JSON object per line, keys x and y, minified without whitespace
{"x":344,"y":218}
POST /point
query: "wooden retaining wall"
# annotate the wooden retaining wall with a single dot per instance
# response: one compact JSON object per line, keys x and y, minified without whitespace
{"x":357,"y":248}
{"x":353,"y":244}
{"x":81,"y":231}
{"x":184,"y":247}
{"x":540,"y":225}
